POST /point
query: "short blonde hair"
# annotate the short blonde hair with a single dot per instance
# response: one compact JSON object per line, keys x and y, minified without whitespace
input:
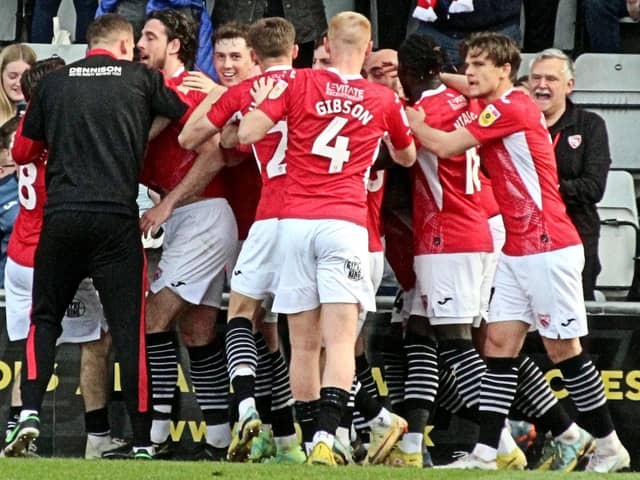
{"x":349,"y":30}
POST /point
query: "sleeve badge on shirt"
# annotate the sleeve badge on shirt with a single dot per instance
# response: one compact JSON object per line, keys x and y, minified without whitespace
{"x":488,"y":116}
{"x":277,"y":89}
{"x":574,"y":141}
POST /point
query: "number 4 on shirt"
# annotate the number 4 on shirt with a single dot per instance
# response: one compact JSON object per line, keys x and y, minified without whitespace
{"x":338,"y":154}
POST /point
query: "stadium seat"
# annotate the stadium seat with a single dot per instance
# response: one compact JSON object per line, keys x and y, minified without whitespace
{"x":70,"y":53}
{"x":525,"y":59}
{"x":618,"y":232}
{"x":608,"y":85}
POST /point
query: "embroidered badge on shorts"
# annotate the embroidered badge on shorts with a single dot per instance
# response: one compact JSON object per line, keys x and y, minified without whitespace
{"x":544,"y":319}
{"x":488,"y":116}
{"x":353,"y":268}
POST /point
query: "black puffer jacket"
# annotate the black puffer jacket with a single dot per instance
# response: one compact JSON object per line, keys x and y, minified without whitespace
{"x":582,"y":154}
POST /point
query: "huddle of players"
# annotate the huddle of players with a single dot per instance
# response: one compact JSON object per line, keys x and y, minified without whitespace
{"x":309,"y":246}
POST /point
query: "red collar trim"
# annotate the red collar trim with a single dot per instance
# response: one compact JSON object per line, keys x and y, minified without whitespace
{"x":100,"y":51}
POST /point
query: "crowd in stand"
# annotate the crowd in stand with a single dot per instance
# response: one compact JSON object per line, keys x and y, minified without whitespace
{"x":290,"y":186}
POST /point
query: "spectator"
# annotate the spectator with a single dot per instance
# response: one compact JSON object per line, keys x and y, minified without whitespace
{"x":449,"y":22}
{"x":8,"y":191}
{"x":14,"y":60}
{"x":539,"y":24}
{"x":582,"y":152}
{"x":602,"y":21}
{"x":45,"y":10}
{"x":132,"y":10}
{"x":308,"y":18}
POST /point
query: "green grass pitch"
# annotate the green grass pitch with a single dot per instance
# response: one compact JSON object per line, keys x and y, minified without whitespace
{"x":73,"y":469}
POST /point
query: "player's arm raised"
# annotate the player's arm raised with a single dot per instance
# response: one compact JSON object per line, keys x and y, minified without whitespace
{"x":198,"y":127}
{"x":457,"y":81}
{"x":399,"y":141}
{"x":256,"y":123}
{"x":443,"y":144}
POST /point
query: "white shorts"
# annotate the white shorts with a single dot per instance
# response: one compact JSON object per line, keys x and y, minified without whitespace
{"x":200,"y":241}
{"x":448,"y":287}
{"x":402,"y":315}
{"x":323,"y":261}
{"x":543,"y":290}
{"x":491,"y":263}
{"x":255,"y":272}
{"x":83,"y":322}
{"x":376,"y":269}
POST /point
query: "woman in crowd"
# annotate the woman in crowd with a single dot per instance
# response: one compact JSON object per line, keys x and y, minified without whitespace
{"x":14,"y":60}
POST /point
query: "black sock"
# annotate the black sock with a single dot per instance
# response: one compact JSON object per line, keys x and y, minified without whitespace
{"x":584,"y":384}
{"x":96,"y":422}
{"x":333,"y":401}
{"x":307,"y":416}
{"x":498,"y":387}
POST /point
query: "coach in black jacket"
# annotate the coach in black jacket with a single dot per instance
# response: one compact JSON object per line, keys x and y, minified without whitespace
{"x":582,"y":152}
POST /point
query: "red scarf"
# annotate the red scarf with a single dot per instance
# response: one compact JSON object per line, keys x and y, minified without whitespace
{"x":425,"y":9}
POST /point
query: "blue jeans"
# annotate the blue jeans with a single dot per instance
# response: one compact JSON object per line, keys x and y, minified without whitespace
{"x":450,"y":42}
{"x":8,"y":212}
{"x":45,"y":10}
{"x":601,"y":18}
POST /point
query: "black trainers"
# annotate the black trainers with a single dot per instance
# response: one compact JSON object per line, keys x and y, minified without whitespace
{"x":123,"y":452}
{"x":19,"y":439}
{"x":128,"y":452}
{"x":164,"y":450}
{"x":213,"y":454}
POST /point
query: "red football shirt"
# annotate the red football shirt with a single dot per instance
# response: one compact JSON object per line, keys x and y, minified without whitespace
{"x":335,"y":125}
{"x":269,"y":152}
{"x":447,"y":216}
{"x":32,"y":194}
{"x":518,"y":156}
{"x":166,"y":162}
{"x":375,"y":193}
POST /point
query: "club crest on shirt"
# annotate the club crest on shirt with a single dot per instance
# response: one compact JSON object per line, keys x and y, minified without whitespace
{"x":458,"y":102}
{"x":277,"y":89}
{"x":488,"y":116}
{"x":574,"y":141}
{"x":353,"y":268}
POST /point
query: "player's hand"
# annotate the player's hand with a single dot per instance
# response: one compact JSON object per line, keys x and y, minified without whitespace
{"x":261,"y":88}
{"x":152,"y":219}
{"x":415,"y":116}
{"x":199,"y":81}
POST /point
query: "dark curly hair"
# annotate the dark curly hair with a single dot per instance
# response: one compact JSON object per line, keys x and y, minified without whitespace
{"x":180,"y":26}
{"x":32,"y":77}
{"x":421,"y":56}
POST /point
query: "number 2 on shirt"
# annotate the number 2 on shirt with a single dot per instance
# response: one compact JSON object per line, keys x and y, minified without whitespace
{"x":276,"y":166}
{"x":338,"y":154}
